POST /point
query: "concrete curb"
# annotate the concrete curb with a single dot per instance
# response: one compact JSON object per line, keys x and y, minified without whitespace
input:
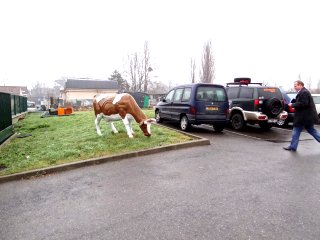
{"x":94,"y":161}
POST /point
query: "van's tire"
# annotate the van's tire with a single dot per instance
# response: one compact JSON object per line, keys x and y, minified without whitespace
{"x":237,"y":121}
{"x":272,"y":107}
{"x":157,"y":116}
{"x":184,"y":123}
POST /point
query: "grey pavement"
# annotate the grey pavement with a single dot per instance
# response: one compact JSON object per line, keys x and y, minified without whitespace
{"x":238,"y":187}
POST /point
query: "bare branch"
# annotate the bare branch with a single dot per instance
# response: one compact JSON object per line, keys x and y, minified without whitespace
{"x":193,"y":70}
{"x":207,"y":71}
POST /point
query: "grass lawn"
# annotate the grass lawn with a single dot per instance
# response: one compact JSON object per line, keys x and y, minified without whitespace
{"x":58,"y":140}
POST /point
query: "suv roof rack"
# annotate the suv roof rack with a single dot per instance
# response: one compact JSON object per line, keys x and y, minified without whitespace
{"x":242,"y":84}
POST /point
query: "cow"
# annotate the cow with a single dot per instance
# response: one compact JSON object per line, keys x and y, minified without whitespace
{"x":114,"y":107}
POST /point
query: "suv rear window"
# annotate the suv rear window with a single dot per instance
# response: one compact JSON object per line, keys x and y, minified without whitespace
{"x":233,"y":92}
{"x":211,"y":94}
{"x":270,"y":93}
{"x":246,"y":93}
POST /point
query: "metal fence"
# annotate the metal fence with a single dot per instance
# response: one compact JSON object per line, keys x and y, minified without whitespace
{"x":18,"y":104}
{"x":10,"y":105}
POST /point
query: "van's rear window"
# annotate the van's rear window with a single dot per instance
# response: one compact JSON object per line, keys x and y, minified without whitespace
{"x":208,"y":93}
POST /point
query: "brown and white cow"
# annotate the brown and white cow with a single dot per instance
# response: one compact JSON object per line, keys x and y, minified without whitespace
{"x":114,"y":107}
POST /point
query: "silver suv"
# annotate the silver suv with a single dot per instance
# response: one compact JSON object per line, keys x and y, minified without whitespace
{"x":252,"y":103}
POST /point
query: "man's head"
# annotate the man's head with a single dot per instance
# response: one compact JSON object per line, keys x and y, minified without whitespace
{"x":298,"y":85}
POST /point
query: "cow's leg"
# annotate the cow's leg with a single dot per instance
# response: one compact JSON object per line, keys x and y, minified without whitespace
{"x":114,"y":130}
{"x":97,"y":123}
{"x":127,"y":125}
{"x":130,"y":125}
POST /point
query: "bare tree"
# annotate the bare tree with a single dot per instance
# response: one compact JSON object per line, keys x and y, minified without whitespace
{"x":40,"y":91}
{"x":146,"y":66}
{"x":158,"y":87}
{"x":299,"y":76}
{"x":139,"y":70}
{"x":61,"y":82}
{"x":133,"y":71}
{"x":207,"y":71}
{"x":318,"y":87}
{"x":309,"y":84}
{"x":193,"y":70}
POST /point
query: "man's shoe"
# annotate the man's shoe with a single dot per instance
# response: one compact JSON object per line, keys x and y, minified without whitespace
{"x":289,"y":149}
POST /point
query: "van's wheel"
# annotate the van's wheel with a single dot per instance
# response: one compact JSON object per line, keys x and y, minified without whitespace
{"x":237,"y":121}
{"x":184,"y":123}
{"x":157,"y":116}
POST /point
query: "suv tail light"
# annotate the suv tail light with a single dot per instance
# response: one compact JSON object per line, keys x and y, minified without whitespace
{"x":262,"y":117}
{"x":256,"y":102}
{"x":193,"y":110}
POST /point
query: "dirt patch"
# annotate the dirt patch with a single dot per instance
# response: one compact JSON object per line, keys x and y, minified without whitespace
{"x":2,"y":167}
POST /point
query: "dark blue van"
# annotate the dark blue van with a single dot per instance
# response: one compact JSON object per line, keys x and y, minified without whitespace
{"x":198,"y":103}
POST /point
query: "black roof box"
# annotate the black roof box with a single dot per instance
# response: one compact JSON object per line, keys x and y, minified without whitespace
{"x":242,"y":80}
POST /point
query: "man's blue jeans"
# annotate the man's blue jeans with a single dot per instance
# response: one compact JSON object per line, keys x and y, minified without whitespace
{"x":296,"y":131}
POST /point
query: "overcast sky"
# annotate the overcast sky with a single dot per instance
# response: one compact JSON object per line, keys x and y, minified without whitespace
{"x":270,"y":41}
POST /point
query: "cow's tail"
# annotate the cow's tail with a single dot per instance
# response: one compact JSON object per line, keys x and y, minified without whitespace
{"x":96,"y":107}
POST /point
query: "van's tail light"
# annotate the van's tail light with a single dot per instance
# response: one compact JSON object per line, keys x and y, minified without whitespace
{"x":193,"y":110}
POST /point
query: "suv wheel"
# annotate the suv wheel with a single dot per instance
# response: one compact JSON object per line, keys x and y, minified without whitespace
{"x":265,"y":125}
{"x":273,"y":106}
{"x":157,"y":116}
{"x":237,"y":121}
{"x":184,"y":123}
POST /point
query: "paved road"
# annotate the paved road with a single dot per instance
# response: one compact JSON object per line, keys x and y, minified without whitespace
{"x":239,"y":187}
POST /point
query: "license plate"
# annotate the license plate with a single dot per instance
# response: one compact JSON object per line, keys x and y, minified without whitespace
{"x":212,"y":108}
{"x":272,"y":120}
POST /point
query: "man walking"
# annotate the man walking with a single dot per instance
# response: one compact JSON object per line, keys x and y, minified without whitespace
{"x":304,"y":117}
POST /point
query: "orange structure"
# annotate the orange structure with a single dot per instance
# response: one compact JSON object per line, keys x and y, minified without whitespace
{"x":65,"y":111}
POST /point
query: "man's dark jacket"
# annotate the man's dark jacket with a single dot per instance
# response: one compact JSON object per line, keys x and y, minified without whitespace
{"x":305,"y":110}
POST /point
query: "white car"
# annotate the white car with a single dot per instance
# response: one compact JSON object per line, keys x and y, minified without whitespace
{"x":316,"y":99}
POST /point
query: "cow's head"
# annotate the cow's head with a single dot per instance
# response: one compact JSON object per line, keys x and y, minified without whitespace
{"x":146,"y":126}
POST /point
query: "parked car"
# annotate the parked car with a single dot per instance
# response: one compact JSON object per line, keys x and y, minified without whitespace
{"x":316,"y":99}
{"x":287,"y":97}
{"x":252,"y":103}
{"x":31,"y":106}
{"x":194,"y":104}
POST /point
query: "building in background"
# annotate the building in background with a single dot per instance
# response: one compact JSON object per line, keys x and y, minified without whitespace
{"x":80,"y":92}
{"x":15,"y":90}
